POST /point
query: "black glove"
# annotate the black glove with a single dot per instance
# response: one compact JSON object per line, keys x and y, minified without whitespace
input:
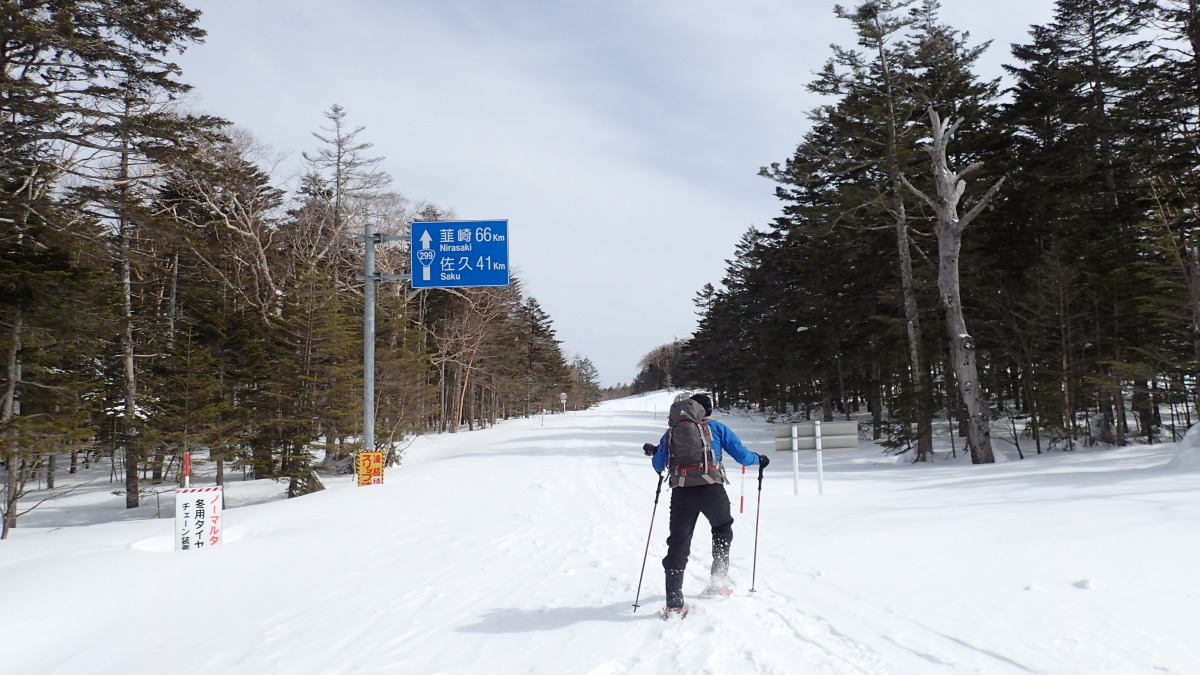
{"x":763,"y":461}
{"x":649,"y":449}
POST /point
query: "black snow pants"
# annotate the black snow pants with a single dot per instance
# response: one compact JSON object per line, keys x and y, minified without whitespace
{"x":687,"y":503}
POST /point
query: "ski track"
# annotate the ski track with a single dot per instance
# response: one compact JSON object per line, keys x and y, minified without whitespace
{"x":768,"y":629}
{"x":897,"y":635}
{"x":519,"y":551}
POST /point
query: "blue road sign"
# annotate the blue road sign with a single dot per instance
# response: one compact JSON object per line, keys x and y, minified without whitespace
{"x":459,"y":254}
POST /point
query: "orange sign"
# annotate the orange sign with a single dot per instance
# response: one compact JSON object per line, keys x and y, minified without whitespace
{"x":370,"y":467}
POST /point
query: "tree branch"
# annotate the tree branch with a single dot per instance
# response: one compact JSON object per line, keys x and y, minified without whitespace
{"x":981,"y":204}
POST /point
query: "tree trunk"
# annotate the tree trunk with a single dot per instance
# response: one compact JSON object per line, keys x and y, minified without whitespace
{"x":1143,"y":407}
{"x":912,"y":317}
{"x":462,"y":381}
{"x":129,"y":426}
{"x":12,"y":494}
{"x":1064,"y":329}
{"x":1104,"y":408}
{"x":875,"y":400}
{"x":1122,"y":424}
{"x":1033,"y":408}
{"x":129,"y":431}
{"x":13,"y":485}
{"x":8,"y":408}
{"x":950,"y":188}
{"x":8,"y":403}
{"x":916,"y":341}
{"x":962,"y":349}
{"x":173,"y":295}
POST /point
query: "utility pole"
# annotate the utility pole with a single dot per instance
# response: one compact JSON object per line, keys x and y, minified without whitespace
{"x":370,"y":239}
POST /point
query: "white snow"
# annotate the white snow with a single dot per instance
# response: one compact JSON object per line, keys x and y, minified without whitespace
{"x":517,"y":549}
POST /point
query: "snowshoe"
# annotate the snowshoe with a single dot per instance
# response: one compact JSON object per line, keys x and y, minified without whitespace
{"x":669,"y":613}
{"x":718,"y":587}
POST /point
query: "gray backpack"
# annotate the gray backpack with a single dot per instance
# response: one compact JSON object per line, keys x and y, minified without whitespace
{"x":690,"y":458}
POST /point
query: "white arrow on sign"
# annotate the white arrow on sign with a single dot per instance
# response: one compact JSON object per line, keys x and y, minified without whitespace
{"x":425,"y":239}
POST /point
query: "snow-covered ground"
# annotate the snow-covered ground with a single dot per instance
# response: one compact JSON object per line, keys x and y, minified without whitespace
{"x":517,"y":550}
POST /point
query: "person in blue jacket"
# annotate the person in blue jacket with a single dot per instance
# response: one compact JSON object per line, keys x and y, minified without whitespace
{"x":687,"y":503}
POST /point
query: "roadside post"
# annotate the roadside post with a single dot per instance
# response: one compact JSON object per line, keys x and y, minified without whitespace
{"x":818,"y":436}
{"x":370,"y":239}
{"x":197,"y":512}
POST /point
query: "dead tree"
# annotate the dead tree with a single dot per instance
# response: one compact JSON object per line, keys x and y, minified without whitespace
{"x":950,"y":187}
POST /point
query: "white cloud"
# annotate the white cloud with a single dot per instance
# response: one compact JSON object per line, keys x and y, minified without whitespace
{"x":620,"y":138}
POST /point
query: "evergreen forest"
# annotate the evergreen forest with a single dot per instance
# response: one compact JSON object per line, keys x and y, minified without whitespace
{"x":161,"y":294}
{"x":1017,"y":254}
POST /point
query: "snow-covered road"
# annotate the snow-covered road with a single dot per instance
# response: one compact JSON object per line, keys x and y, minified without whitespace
{"x":517,"y":549}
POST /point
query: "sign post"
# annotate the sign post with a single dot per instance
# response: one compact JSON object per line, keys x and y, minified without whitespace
{"x":371,"y":277}
{"x":445,"y":254}
{"x":814,"y":436}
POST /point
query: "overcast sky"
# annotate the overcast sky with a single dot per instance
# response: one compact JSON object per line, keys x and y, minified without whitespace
{"x":620,"y":138}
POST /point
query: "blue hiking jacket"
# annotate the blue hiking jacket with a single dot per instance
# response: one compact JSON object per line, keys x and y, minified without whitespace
{"x":723,"y":438}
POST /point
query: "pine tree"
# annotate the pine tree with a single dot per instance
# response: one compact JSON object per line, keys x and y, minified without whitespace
{"x":220,"y":212}
{"x":340,"y":176}
{"x":545,"y":369}
{"x":585,"y":382}
{"x":82,"y":90}
{"x":1076,"y":121}
{"x":847,"y":172}
{"x":47,"y":275}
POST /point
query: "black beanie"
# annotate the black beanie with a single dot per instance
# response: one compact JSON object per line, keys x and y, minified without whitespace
{"x":705,"y":401}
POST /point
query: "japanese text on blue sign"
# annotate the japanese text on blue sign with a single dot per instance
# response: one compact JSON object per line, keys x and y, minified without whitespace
{"x":458,"y":254}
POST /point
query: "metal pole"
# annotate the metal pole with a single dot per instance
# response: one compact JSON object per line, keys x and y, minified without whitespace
{"x":820,"y":466}
{"x":368,"y":442}
{"x":642,"y":575}
{"x":795,"y":460}
{"x":757,"y":514}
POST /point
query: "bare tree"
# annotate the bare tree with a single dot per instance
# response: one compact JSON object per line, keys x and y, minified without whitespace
{"x":464,"y":337}
{"x":225,"y":197}
{"x":950,"y":187}
{"x":656,"y":367}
